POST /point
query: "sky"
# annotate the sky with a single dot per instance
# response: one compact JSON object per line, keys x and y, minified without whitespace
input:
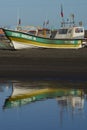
{"x":35,"y":12}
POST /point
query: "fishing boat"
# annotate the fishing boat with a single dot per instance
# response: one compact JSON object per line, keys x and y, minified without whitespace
{"x":71,"y":37}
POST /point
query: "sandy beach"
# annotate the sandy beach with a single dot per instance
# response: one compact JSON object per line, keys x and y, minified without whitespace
{"x":43,"y":63}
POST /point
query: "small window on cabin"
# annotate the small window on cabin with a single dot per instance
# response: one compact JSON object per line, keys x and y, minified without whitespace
{"x":78,"y":30}
{"x":81,"y":30}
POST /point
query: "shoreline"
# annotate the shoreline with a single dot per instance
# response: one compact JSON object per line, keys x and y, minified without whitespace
{"x":43,"y":63}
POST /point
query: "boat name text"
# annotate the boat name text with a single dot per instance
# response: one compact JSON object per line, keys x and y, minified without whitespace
{"x":19,"y":35}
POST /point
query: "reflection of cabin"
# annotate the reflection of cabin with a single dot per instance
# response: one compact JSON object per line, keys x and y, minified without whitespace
{"x":77,"y":102}
{"x":73,"y":101}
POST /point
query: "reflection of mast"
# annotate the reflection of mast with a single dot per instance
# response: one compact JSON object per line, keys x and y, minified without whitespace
{"x":62,"y":105}
{"x":73,"y":102}
{"x":61,"y":115}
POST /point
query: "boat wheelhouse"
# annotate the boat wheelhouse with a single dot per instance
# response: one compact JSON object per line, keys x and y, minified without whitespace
{"x":70,"y":33}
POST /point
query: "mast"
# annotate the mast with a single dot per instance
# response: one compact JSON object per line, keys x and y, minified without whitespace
{"x":62,"y":15}
{"x":18,"y":20}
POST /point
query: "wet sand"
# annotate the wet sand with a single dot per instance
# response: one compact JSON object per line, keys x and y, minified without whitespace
{"x":43,"y":63}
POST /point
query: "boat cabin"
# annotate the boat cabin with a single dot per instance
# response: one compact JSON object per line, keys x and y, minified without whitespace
{"x":43,"y":32}
{"x":70,"y":33}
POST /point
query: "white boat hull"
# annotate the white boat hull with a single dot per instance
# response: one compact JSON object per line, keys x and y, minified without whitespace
{"x":19,"y":45}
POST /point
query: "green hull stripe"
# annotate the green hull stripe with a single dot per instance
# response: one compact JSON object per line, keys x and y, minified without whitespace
{"x":35,"y":43}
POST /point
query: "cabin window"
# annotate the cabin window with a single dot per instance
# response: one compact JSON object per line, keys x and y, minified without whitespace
{"x":63,"y":31}
{"x":78,"y":30}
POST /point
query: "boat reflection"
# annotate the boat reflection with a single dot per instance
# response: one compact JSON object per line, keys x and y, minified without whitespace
{"x":23,"y":93}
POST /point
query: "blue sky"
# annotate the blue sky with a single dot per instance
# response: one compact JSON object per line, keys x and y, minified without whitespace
{"x":35,"y":12}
